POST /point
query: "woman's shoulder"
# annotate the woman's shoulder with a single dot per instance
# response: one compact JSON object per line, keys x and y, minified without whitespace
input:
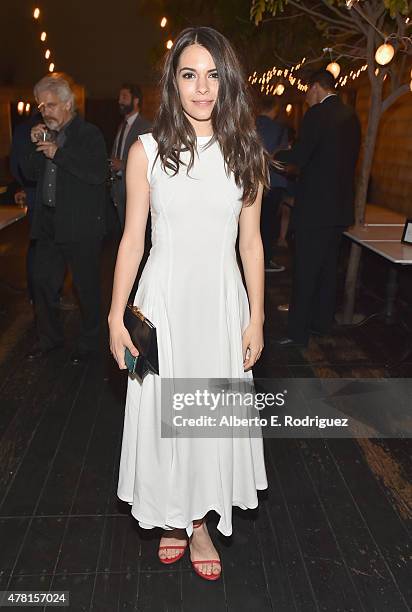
{"x":148,"y":140}
{"x":143,"y":152}
{"x":149,"y":144}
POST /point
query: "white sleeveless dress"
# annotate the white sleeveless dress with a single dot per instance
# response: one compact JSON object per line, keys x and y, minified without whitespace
{"x":192,"y":291}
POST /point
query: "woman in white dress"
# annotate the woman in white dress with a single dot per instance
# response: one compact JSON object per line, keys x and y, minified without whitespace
{"x":202,"y":172}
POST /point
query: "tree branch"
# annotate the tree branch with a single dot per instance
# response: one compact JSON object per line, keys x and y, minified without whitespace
{"x":370,"y":53}
{"x":391,"y":99}
{"x":287,"y":63}
{"x":321,"y":16}
{"x":338,"y":12}
{"x":282,"y":17}
{"x":361,"y":26}
{"x":369,"y":20}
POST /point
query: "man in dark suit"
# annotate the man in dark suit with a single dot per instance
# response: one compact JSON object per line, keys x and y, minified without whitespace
{"x":273,"y":136}
{"x":67,"y":157}
{"x":133,"y":124}
{"x":325,"y":154}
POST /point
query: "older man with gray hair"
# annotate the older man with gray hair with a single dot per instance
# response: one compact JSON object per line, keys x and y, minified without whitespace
{"x":68,"y":158}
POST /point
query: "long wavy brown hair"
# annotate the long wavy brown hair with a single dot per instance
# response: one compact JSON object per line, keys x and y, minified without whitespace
{"x":232,"y":118}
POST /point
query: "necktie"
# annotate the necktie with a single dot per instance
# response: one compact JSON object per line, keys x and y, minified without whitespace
{"x":120,"y":140}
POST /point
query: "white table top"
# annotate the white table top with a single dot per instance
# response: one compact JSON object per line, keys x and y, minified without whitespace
{"x":384,"y":233}
{"x":11,"y":214}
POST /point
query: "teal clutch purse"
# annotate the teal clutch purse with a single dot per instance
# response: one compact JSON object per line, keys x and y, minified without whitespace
{"x":130,"y":361}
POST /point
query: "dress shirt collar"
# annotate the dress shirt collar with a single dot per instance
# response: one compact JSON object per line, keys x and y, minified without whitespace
{"x":132,"y":118}
{"x":328,"y":96}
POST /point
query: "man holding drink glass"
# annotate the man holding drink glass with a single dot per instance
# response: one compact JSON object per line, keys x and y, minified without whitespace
{"x":67,"y":156}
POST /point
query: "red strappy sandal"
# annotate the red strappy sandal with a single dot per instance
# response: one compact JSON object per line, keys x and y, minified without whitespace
{"x":167,"y":561}
{"x":198,"y":572}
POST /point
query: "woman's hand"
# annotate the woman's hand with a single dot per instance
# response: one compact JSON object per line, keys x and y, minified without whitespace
{"x":119,"y":341}
{"x":252,"y":344}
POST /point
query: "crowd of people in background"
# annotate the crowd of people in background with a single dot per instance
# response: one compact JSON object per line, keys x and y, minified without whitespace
{"x":67,"y":180}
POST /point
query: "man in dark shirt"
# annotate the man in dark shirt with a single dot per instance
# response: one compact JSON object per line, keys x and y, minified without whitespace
{"x":273,"y":136}
{"x":325,"y":153}
{"x":68,"y":157}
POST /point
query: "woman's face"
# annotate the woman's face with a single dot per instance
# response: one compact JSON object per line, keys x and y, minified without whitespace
{"x":197,"y":82}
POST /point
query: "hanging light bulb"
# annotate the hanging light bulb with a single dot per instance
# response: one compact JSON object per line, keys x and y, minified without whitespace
{"x":280,"y":89}
{"x":333,"y":68}
{"x":47,"y":54}
{"x":169,"y":44}
{"x":36,"y":13}
{"x":384,"y":54}
{"x":51,"y":67}
{"x":288,"y":109}
{"x":163,"y":22}
{"x":20,"y":107}
{"x":43,"y":36}
{"x":27,"y":109}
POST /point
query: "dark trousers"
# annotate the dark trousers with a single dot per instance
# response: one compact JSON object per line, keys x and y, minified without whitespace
{"x":313,"y":300}
{"x":50,"y":265}
{"x":270,"y":206}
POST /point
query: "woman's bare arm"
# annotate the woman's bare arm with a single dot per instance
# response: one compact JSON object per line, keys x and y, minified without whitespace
{"x":130,"y":251}
{"x":251,"y":253}
{"x":131,"y":246}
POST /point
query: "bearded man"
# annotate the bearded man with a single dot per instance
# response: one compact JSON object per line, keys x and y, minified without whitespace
{"x":133,"y":124}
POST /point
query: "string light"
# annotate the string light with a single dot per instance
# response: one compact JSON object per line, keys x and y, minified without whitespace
{"x":43,"y":38}
{"x":353,"y":75}
{"x":20,"y":107}
{"x":384,"y":54}
{"x":169,"y":44}
{"x":163,"y":22}
{"x":274,"y":72}
{"x":27,"y":108}
{"x":289,"y":109}
{"x":334,"y":68}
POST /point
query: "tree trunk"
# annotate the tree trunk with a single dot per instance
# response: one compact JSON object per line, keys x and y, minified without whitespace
{"x":360,"y":199}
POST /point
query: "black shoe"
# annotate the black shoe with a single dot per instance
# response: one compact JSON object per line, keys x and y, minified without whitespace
{"x":272,"y":266}
{"x":37,"y":352}
{"x":289,"y":343}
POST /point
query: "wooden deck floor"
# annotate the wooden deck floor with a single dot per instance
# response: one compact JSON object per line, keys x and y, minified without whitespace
{"x":332,"y":532}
